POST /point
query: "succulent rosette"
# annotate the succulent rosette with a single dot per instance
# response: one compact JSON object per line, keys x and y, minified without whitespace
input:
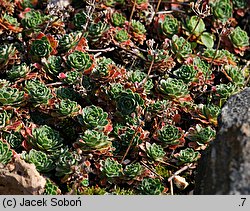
{"x":50,"y":188}
{"x":103,"y":68}
{"x":155,"y":151}
{"x":67,"y":93}
{"x":111,"y":168}
{"x":166,"y":25}
{"x":137,"y":76}
{"x":162,"y":60}
{"x":79,"y":20}
{"x":210,"y":112}
{"x":96,"y":31}
{"x":65,"y":163}
{"x":139,"y":4}
{"x":18,"y":71}
{"x":221,"y":57}
{"x":235,"y":74}
{"x":53,"y":65}
{"x":172,"y":87}
{"x":93,"y":140}
{"x":157,"y":107}
{"x":113,"y":3}
{"x":121,"y":35}
{"x":38,"y":92}
{"x":239,"y":38}
{"x":4,"y":118}
{"x":138,"y":31}
{"x":195,"y":28}
{"x":7,"y":53}
{"x":23,"y":4}
{"x":40,"y":48}
{"x":240,"y":4}
{"x":202,"y":66}
{"x":67,"y":107}
{"x":31,"y":18}
{"x":223,"y":91}
{"x":4,"y":83}
{"x":126,"y":134}
{"x":187,"y":73}
{"x":195,"y":25}
{"x":8,"y":22}
{"x":201,"y":135}
{"x":118,"y":19}
{"x":169,"y":135}
{"x":93,"y":117}
{"x":5,"y":153}
{"x":67,"y":41}
{"x":158,"y":55}
{"x":115,"y":89}
{"x":46,"y":139}
{"x":150,"y":186}
{"x":127,"y":102}
{"x":133,"y":170}
{"x":181,"y":47}
{"x":78,"y":61}
{"x":41,"y":160}
{"x":137,"y":27}
{"x":71,"y":77}
{"x":222,"y":9}
{"x":188,"y":155}
{"x":11,"y":96}
{"x":14,"y":139}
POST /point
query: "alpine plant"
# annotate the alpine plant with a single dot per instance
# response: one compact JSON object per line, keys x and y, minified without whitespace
{"x":115,"y":97}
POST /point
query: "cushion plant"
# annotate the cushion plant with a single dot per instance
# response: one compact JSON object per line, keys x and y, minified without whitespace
{"x":117,"y":96}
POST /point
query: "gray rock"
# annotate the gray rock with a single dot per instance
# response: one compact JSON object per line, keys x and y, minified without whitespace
{"x":20,"y":178}
{"x":224,"y":168}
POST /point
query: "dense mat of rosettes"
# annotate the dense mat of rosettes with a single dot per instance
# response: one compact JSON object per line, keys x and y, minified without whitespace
{"x":116,"y":96}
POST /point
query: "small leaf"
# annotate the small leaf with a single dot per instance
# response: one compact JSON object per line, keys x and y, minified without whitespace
{"x":207,"y":39}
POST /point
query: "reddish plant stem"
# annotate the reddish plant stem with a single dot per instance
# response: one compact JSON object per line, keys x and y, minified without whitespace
{"x":130,"y":143}
{"x":131,"y":15}
{"x":158,"y":5}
